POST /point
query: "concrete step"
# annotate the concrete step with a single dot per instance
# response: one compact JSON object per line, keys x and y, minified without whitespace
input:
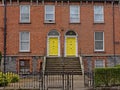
{"x":67,"y":64}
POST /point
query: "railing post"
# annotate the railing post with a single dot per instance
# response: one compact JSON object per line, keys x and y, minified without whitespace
{"x":81,"y":63}
{"x":72,"y":80}
{"x":68,"y":83}
{"x":63,"y":80}
{"x":43,"y":73}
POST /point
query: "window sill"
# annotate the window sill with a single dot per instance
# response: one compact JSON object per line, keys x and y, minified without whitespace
{"x":74,"y":23}
{"x":99,"y":51}
{"x":99,"y":23}
{"x":49,"y":23}
{"x":24,"y":52}
{"x":24,"y":22}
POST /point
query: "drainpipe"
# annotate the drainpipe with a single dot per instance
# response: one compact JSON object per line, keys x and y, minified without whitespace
{"x":5,"y":33}
{"x":114,"y":33}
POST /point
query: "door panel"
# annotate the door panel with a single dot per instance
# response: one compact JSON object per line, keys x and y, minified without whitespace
{"x":70,"y":46}
{"x":53,"y":46}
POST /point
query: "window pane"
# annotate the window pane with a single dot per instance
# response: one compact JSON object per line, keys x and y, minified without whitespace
{"x":25,"y":13}
{"x":25,"y":17}
{"x":24,"y":41}
{"x":49,"y":8}
{"x":74,"y":20}
{"x":98,"y":45}
{"x":98,"y":9}
{"x":74,"y":14}
{"x":98,"y":35}
{"x":24,"y":36}
{"x":74,"y":9}
{"x":99,"y":63}
{"x":69,"y":33}
{"x":24,"y":9}
{"x":24,"y":46}
{"x":53,"y":33}
{"x":98,"y":17}
{"x":49,"y":12}
{"x":49,"y":16}
{"x":98,"y":13}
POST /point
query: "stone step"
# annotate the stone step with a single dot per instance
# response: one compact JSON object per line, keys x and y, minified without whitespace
{"x":58,"y":64}
{"x":65,"y":64}
{"x":61,"y":65}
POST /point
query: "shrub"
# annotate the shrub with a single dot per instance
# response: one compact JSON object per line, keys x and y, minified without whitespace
{"x":107,"y":76}
{"x":118,"y":65}
{"x":3,"y":80}
{"x":11,"y":77}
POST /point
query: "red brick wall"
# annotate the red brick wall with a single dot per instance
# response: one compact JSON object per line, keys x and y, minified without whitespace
{"x":38,"y":29}
{"x":117,"y":29}
{"x":1,"y":28}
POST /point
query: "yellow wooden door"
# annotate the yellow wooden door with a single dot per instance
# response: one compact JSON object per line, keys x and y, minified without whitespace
{"x":53,"y":46}
{"x":70,"y":46}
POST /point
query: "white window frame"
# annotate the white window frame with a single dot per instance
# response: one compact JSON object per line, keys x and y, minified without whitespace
{"x":78,"y":14}
{"x":22,"y":21}
{"x":99,"y":13}
{"x":53,"y":13}
{"x":98,"y":40}
{"x":102,"y":65}
{"x":24,"y":41}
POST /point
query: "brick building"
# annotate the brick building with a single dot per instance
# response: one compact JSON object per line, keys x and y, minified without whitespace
{"x":56,"y":28}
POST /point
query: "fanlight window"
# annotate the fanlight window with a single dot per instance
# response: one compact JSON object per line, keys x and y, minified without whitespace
{"x":53,"y":33}
{"x":71,"y":33}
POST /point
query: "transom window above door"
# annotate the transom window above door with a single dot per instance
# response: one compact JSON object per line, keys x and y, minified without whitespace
{"x":53,"y":33}
{"x":72,"y":33}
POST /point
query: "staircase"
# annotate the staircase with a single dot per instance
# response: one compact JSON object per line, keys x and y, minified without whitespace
{"x":66,"y":64}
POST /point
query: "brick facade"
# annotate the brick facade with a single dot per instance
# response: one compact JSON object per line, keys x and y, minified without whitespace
{"x":39,"y":30}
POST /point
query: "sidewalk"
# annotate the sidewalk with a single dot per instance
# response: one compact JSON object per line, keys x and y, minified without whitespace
{"x":79,"y":83}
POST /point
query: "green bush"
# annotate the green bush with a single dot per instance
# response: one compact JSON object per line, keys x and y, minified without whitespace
{"x":117,"y":65}
{"x":107,"y":76}
{"x":3,"y":80}
{"x":11,"y":77}
{"x":7,"y":78}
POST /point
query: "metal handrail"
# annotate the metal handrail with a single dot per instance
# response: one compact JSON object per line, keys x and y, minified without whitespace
{"x":44,"y":65}
{"x":81,"y":63}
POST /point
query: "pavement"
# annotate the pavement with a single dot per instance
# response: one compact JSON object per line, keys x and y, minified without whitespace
{"x":79,"y":83}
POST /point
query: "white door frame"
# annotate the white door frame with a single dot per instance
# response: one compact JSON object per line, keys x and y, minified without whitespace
{"x":48,"y":45}
{"x":66,"y":36}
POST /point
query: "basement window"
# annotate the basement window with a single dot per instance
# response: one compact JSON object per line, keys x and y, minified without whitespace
{"x":99,"y":63}
{"x":24,"y":66}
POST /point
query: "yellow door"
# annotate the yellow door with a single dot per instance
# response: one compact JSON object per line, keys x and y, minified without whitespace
{"x":53,"y":46}
{"x":70,"y":46}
